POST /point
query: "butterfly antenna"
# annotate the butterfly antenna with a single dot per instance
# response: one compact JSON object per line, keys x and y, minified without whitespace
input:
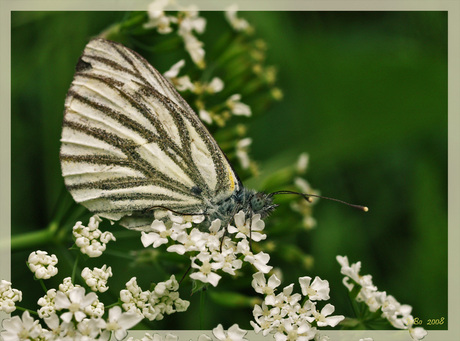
{"x":308,"y":197}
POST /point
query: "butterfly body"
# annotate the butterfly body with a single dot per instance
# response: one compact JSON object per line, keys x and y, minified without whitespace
{"x":132,"y":148}
{"x":247,"y":200}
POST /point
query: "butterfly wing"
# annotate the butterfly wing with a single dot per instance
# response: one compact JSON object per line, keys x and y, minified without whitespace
{"x":131,"y":143}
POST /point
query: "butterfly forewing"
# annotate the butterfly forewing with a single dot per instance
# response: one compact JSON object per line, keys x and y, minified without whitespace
{"x":131,"y":144}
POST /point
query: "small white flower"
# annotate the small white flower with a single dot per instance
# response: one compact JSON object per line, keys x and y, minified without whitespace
{"x":318,"y":290}
{"x":90,"y":329}
{"x":75,"y":303}
{"x":248,"y":227}
{"x":195,"y":241}
{"x":97,"y":278}
{"x":260,"y":284}
{"x":119,"y":322}
{"x":238,"y":24}
{"x":47,"y":304}
{"x":157,"y":17}
{"x":227,"y":260}
{"x":205,"y":273}
{"x":353,"y":272}
{"x":236,"y":107}
{"x":205,"y":116}
{"x":136,"y":300}
{"x":302,"y":163}
{"x":373,"y":299}
{"x":91,"y":240}
{"x":181,"y":83}
{"x":191,"y":21}
{"x":242,"y":147}
{"x":417,"y":333}
{"x":66,"y":285}
{"x":17,"y":328}
{"x":304,"y":186}
{"x":292,"y":331}
{"x":194,"y":47}
{"x":216,"y":85}
{"x":323,"y":319}
{"x":173,"y":72}
{"x":260,"y":260}
{"x":95,"y":309}
{"x":57,"y":328}
{"x":42,"y":265}
{"x":158,"y":237}
{"x":266,"y":319}
{"x":234,"y":333}
{"x":8,"y":297}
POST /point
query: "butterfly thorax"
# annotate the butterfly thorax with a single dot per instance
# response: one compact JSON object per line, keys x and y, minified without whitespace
{"x":247,"y":200}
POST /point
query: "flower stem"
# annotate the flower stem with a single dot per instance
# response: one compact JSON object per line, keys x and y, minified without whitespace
{"x":43,"y":285}
{"x":32,"y":239}
{"x":185,"y":274}
{"x":25,"y":309}
{"x":112,"y":305}
{"x":202,"y":306}
{"x":75,"y":265}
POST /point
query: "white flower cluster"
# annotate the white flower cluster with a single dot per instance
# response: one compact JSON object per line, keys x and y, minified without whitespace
{"x":399,"y":315}
{"x":285,"y":316}
{"x":183,"y":83}
{"x":42,"y":265}
{"x":91,"y":240}
{"x":153,"y":305}
{"x":135,"y":300}
{"x":164,"y":299}
{"x":238,"y":24}
{"x":213,"y":253}
{"x":187,"y":21}
{"x":234,"y":333}
{"x":236,"y":107}
{"x":71,"y":325}
{"x":68,"y":314}
{"x":48,"y":302}
{"x":97,"y":278}
{"x":8,"y":297}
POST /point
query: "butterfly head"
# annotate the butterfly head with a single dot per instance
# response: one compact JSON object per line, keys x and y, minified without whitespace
{"x":262,"y":203}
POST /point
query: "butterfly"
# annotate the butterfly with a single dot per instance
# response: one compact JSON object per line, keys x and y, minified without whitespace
{"x":132,"y":147}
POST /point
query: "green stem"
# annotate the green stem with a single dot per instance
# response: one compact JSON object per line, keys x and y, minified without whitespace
{"x":111,"y":305}
{"x":25,"y":309}
{"x":43,"y":285}
{"x":74,"y":270}
{"x":32,"y":239}
{"x":202,"y":306}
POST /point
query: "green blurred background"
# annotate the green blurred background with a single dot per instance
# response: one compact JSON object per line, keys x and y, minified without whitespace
{"x":365,"y":94}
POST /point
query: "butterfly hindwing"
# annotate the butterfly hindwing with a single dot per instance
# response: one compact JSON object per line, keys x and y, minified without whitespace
{"x":130,"y":142}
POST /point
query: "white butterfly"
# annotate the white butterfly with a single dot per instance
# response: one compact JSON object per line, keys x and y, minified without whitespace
{"x":132,"y":146}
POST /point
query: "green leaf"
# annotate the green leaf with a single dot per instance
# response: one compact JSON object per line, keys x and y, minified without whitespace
{"x":233,"y":299}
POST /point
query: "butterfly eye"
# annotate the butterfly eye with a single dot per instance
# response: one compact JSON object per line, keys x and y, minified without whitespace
{"x":258,"y":202}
